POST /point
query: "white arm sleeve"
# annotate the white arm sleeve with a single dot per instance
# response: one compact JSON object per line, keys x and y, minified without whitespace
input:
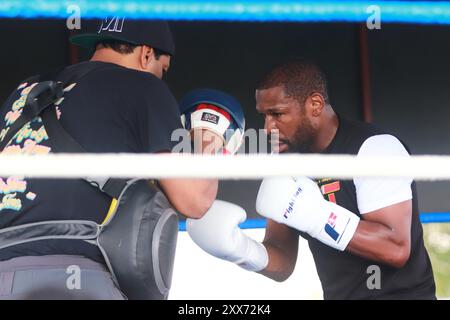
{"x":376,"y":193}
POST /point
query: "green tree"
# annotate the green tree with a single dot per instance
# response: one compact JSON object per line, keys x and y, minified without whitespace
{"x":437,"y":242}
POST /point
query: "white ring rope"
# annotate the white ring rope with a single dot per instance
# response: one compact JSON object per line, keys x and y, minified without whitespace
{"x":255,"y":166}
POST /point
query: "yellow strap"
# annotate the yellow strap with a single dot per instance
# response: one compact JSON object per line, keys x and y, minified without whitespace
{"x":111,"y":210}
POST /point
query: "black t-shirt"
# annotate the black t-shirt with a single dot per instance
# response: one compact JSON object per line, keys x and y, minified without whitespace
{"x":109,"y":110}
{"x":346,"y":276}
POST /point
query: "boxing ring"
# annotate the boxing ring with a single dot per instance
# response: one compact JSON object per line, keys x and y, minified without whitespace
{"x":198,"y":275}
{"x":251,"y":166}
{"x":192,"y":264}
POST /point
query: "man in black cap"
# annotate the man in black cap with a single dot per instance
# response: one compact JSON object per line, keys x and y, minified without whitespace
{"x":140,"y":45}
{"x":116,"y":103}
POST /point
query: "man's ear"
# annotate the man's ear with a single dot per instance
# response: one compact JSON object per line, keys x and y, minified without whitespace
{"x":317,"y":103}
{"x":147,"y":54}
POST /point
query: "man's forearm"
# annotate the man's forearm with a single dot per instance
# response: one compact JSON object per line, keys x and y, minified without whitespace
{"x":380,"y":243}
{"x":191,"y":197}
{"x":281,"y":265}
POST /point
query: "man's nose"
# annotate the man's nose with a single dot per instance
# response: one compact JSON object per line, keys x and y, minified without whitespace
{"x":269,"y":125}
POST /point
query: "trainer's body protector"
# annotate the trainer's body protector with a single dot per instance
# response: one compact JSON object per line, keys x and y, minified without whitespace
{"x":138,"y":241}
{"x":137,"y":238}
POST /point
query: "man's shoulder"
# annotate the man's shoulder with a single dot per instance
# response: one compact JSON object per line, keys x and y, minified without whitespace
{"x":368,"y":136}
{"x":107,"y":70}
{"x":353,"y":134}
{"x":363,"y":129}
{"x":120,"y":79}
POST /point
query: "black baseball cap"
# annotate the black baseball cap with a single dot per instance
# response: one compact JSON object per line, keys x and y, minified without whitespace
{"x":153,"y":33}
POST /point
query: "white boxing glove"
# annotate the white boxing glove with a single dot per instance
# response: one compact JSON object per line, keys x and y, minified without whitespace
{"x":298,"y":203}
{"x":218,"y":233}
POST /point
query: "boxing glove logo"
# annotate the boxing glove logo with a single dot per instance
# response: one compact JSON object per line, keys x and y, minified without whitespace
{"x":330,"y":227}
{"x":209,"y":117}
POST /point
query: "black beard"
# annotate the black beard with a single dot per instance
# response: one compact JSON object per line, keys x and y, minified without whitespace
{"x":304,"y":147}
{"x":302,"y":141}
